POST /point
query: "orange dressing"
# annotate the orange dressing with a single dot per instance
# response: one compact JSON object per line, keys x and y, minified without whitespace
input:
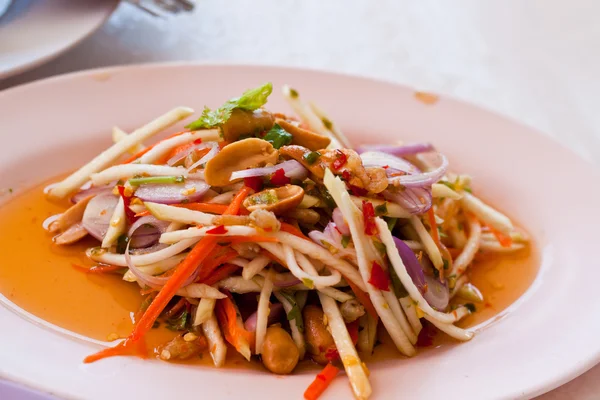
{"x":39,"y":277}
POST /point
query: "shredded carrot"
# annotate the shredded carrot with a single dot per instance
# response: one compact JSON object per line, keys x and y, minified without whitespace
{"x":180,"y":149}
{"x":219,"y":256}
{"x":251,"y":238}
{"x":289,"y":228}
{"x":504,"y":240}
{"x":321,"y":382}
{"x":226,"y":313}
{"x":142,"y":214}
{"x":147,"y":149}
{"x":135,"y":343}
{"x":363,"y":298}
{"x":435,"y":234}
{"x":224,"y":271}
{"x":204,"y":207}
{"x":176,"y":308}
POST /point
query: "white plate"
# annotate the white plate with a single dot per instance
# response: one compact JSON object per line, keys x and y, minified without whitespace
{"x":34,"y":31}
{"x":549,"y":337}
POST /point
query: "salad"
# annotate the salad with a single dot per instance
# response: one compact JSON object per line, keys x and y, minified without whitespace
{"x":272,"y":236}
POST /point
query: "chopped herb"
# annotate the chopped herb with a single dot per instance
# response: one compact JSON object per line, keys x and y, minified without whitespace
{"x":460,"y":226}
{"x":250,"y":100}
{"x":449,"y":184}
{"x":178,"y":323}
{"x":293,"y":93}
{"x":381,"y":209}
{"x":345,"y":240}
{"x":328,"y":124}
{"x":391,"y":223}
{"x":278,"y":136}
{"x":295,"y":313}
{"x":327,"y":197}
{"x":155,"y":179}
{"x":380,"y":247}
{"x":471,"y":307}
{"x":468,"y":190}
{"x":10,"y":190}
{"x":311,"y":157}
{"x":308,"y":283}
{"x":122,"y":242}
{"x":264,"y":197}
{"x":399,"y":289}
{"x":155,"y":325}
{"x":446,"y":264}
{"x":436,"y":273}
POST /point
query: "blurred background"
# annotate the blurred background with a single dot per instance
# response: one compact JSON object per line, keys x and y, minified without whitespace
{"x":532,"y":60}
{"x":535,"y":61}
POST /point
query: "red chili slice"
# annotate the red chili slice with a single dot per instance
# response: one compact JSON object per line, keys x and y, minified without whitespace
{"x":369,"y":218}
{"x":129,"y":213}
{"x":254,"y":182}
{"x":279,"y":178}
{"x":340,"y":161}
{"x":198,"y":141}
{"x":217,"y":230}
{"x":379,"y":278}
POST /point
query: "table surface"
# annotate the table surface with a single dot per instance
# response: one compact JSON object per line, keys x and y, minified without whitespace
{"x":532,"y":60}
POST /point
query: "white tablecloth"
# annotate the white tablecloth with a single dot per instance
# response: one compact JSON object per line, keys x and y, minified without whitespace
{"x":532,"y":60}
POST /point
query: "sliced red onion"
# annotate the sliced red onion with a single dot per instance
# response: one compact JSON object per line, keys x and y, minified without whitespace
{"x":183,"y":154}
{"x":155,"y":282}
{"x":399,"y":151}
{"x":275,"y":310}
{"x":173,"y":193}
{"x":412,"y":264}
{"x":286,"y":280}
{"x":291,"y":168}
{"x":91,"y":191}
{"x":393,"y":163}
{"x":435,"y":292}
{"x":340,"y":222}
{"x":332,"y":236}
{"x":97,"y":214}
{"x":207,"y":157}
{"x":424,"y":179}
{"x":146,"y":231}
{"x":414,"y":200}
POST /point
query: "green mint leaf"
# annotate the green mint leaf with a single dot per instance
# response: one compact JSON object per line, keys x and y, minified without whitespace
{"x":278,"y":137}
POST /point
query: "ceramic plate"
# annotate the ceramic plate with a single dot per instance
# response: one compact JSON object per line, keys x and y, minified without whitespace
{"x":544,"y":340}
{"x":35,"y":31}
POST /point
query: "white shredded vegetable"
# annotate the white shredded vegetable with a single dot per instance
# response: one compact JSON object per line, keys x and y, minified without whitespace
{"x":262,"y":313}
{"x":410,"y":310}
{"x":117,"y":225}
{"x":396,"y":308}
{"x":204,"y":311}
{"x":428,"y":243}
{"x":451,"y":330}
{"x":178,"y":214}
{"x":359,"y":381}
{"x":110,"y":155}
{"x":487,"y":214}
{"x":176,"y":236}
{"x":200,"y":291}
{"x":439,"y":190}
{"x":216,"y":344}
{"x":255,"y":266}
{"x":156,"y":268}
{"x":164,"y":147}
{"x":471,"y":247}
{"x":118,"y":134}
{"x":105,"y":257}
